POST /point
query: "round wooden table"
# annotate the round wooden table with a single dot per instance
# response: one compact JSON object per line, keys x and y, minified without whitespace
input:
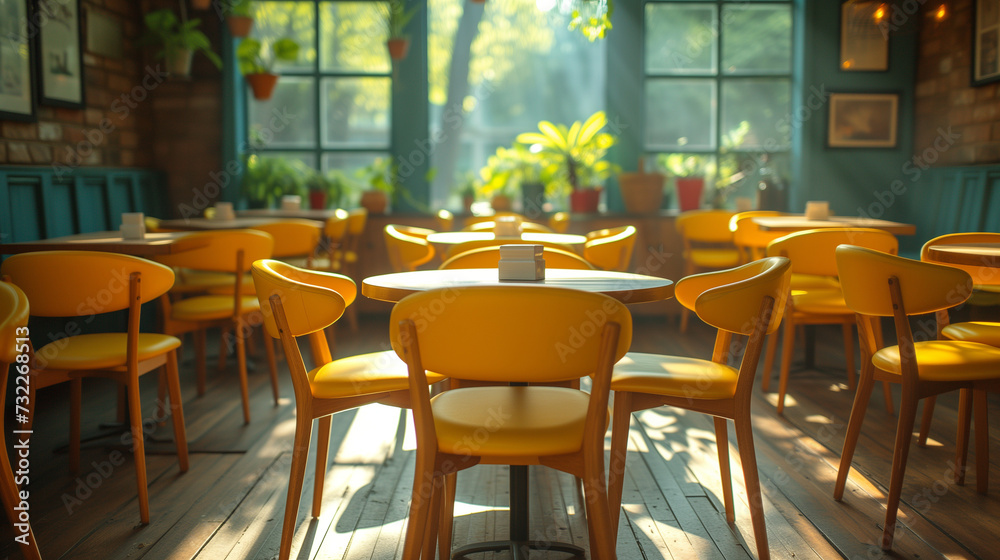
{"x":456,"y":237}
{"x":623,"y":286}
{"x":968,"y":254}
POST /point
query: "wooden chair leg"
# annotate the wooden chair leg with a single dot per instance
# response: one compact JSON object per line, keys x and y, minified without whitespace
{"x":433,"y":519}
{"x":223,"y":349}
{"x":849,"y":355}
{"x":620,"y":420}
{"x":322,"y":454}
{"x":10,"y":499}
{"x":685,"y":316}
{"x":722,"y":443}
{"x":768,"y":371}
{"x":865,"y":385}
{"x":599,"y":524}
{"x":241,"y":361}
{"x":138,"y":446}
{"x":272,"y":365}
{"x":296,"y":475}
{"x":925,"y":424}
{"x":447,"y":516}
{"x":962,"y":437}
{"x":787,"y":349}
{"x":177,"y":410}
{"x":420,"y":504}
{"x":886,"y":386}
{"x":901,"y":449}
{"x":161,"y":396}
{"x":982,"y":442}
{"x":199,"y":359}
{"x":748,"y":460}
{"x":75,"y":396}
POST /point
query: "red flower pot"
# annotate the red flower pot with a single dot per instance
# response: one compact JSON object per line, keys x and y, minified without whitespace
{"x":398,"y":48}
{"x":262,"y":85}
{"x":317,"y":200}
{"x":584,"y":201}
{"x":689,"y":191}
{"x":239,"y":26}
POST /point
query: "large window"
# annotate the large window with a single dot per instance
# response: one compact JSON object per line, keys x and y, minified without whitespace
{"x":331,"y":108}
{"x":718,"y":90}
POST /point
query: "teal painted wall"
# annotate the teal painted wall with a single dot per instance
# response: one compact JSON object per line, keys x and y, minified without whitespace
{"x":854,"y":180}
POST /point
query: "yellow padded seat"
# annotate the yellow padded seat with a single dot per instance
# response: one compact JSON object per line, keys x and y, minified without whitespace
{"x":943,"y":360}
{"x":527,"y":420}
{"x":102,"y":351}
{"x":813,"y":282}
{"x":364,"y":374}
{"x":200,"y":279}
{"x":714,"y":258}
{"x":978,"y":331}
{"x":205,"y":308}
{"x":821,"y":302}
{"x":674,"y":376}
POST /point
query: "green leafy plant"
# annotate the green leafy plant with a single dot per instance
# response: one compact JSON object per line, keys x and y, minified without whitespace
{"x":268,"y":178}
{"x":508,"y":169}
{"x":596,"y":23}
{"x":572,"y":158}
{"x":241,"y":8}
{"x":395,"y":17}
{"x":334,"y":183}
{"x":251,"y":59}
{"x":172,"y":35}
{"x":380,"y":175}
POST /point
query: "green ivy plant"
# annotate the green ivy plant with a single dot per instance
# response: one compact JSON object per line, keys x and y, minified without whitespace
{"x":165,"y":30}
{"x":251,"y":60}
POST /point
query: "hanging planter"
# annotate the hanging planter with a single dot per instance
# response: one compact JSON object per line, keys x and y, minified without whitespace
{"x":262,"y":85}
{"x":257,"y":70}
{"x":239,"y":26}
{"x":398,"y":47}
{"x":201,"y":4}
{"x":179,"y":63}
{"x":177,"y":40}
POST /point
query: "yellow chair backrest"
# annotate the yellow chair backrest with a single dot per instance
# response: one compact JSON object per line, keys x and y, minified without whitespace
{"x":292,"y":238}
{"x":730,"y":299}
{"x":492,"y":217}
{"x":79,"y":283}
{"x":219,"y":254}
{"x":489,"y":257}
{"x":747,"y":235}
{"x":356,"y":220}
{"x":612,"y":251}
{"x":925,"y":287}
{"x":511,"y":333}
{"x":406,"y":252}
{"x":445,"y":220}
{"x":490,"y":225}
{"x":459,"y":248}
{"x":705,"y":226}
{"x":414,"y":231}
{"x":336,"y":225}
{"x":981,"y":275}
{"x":559,"y":222}
{"x":312,"y":300}
{"x":13,"y":315}
{"x":812,"y":250}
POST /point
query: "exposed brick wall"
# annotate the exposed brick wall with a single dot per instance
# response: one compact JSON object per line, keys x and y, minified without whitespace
{"x":946,"y":100}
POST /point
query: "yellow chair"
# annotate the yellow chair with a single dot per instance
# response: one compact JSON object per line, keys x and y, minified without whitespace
{"x":357,"y":219}
{"x":751,"y":242}
{"x":459,"y":248}
{"x":295,"y":241}
{"x":559,"y":222}
{"x":610,"y":249}
{"x":559,"y":427}
{"x":407,"y":246}
{"x":492,"y":217}
{"x":81,"y":284}
{"x":525,"y":226}
{"x":302,"y":303}
{"x":880,"y":285}
{"x":232,"y":252}
{"x":334,"y":231}
{"x":445,"y":220}
{"x":985,"y":288}
{"x":748,"y":300}
{"x":812,"y":252}
{"x":708,"y":245}
{"x":489,"y":257}
{"x":13,"y":326}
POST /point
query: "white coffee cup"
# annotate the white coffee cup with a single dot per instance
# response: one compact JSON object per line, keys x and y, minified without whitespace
{"x":224,"y":211}
{"x":817,"y":210}
{"x":291,"y":202}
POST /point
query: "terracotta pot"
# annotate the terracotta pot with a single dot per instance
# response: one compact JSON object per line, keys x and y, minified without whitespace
{"x":239,"y":26}
{"x":317,"y":200}
{"x":374,"y":201}
{"x":641,"y":192}
{"x":467,"y":202}
{"x":262,"y":85}
{"x":584,"y":201}
{"x":398,"y":48}
{"x":501,"y":203}
{"x":201,"y":4}
{"x":689,"y":191}
{"x":179,"y":63}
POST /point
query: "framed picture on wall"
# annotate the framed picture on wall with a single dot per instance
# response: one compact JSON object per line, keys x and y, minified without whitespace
{"x":863,"y":120}
{"x":17,"y":97}
{"x":60,"y":54}
{"x":986,"y":42}
{"x":864,"y":35}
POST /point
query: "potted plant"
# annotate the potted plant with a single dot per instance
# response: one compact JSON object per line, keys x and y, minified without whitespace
{"x":257,"y":69}
{"x":395,"y":17}
{"x":178,"y":41}
{"x":201,"y":4}
{"x":239,"y":16}
{"x":268,"y":178}
{"x":325,"y":189}
{"x":642,"y":192}
{"x":381,"y":179}
{"x":573,"y":158}
{"x":514,"y":169}
{"x":689,"y":171}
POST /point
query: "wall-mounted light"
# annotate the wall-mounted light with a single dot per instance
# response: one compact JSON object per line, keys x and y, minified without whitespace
{"x":941,"y":13}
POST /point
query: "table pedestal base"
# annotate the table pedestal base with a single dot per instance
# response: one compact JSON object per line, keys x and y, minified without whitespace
{"x":518,"y":549}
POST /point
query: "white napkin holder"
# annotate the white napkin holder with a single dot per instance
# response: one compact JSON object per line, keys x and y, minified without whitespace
{"x":224,"y":211}
{"x":291,"y":202}
{"x":133,"y":225}
{"x":520,"y":263}
{"x":507,"y":226}
{"x":817,"y":210}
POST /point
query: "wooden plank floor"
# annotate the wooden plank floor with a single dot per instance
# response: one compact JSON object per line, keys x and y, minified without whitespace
{"x":230,"y":503}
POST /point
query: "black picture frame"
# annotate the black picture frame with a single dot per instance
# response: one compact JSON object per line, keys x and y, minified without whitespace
{"x":59,"y":54}
{"x":17,"y":68}
{"x":864,"y":36}
{"x":863,"y":120}
{"x":986,"y":42}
